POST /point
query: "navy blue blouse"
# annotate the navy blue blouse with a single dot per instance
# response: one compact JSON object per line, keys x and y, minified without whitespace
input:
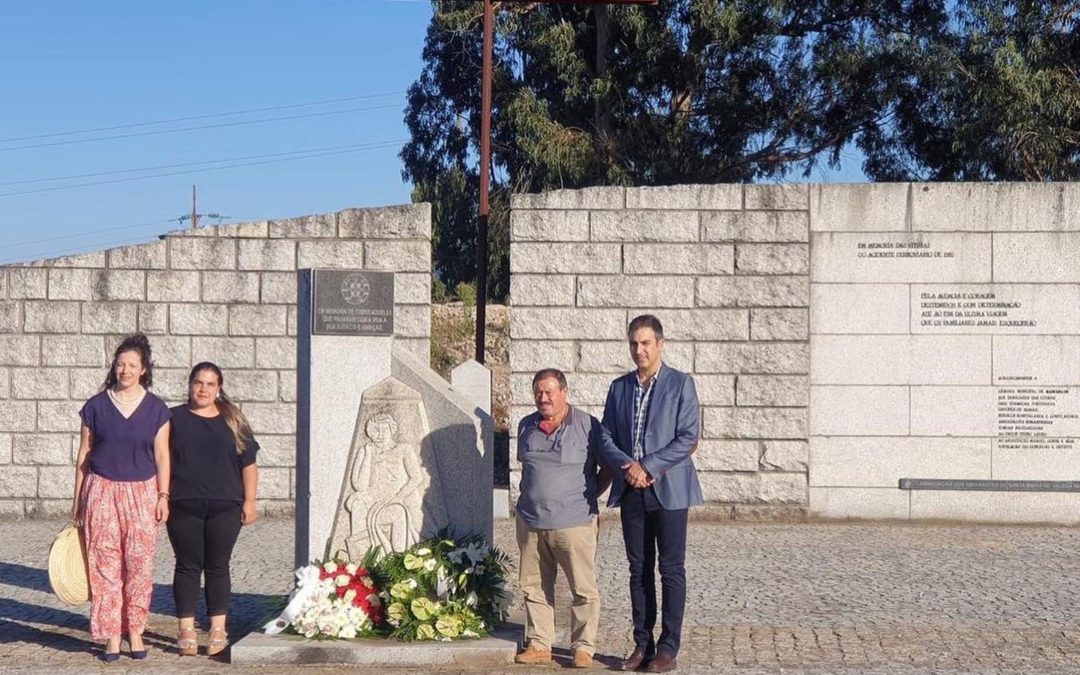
{"x":122,"y":449}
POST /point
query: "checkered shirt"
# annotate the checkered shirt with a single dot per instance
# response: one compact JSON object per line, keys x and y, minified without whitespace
{"x":642,"y":395}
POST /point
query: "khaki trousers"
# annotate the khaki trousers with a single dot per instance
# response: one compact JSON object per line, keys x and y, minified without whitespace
{"x":542,"y":553}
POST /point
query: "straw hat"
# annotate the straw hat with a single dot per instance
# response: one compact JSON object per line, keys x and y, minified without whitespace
{"x":67,"y":567}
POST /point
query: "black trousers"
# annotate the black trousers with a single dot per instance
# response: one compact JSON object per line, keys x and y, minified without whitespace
{"x":203,"y":533}
{"x":647,"y":528}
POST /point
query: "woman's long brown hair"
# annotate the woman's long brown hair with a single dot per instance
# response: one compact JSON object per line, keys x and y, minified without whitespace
{"x":234,"y":419}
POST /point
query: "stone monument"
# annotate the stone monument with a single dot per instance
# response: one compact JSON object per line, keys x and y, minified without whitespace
{"x":388,"y":476}
{"x":344,"y":337}
{"x":388,"y":453}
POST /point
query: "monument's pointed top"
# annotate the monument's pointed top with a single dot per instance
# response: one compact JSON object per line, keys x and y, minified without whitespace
{"x":391,"y":388}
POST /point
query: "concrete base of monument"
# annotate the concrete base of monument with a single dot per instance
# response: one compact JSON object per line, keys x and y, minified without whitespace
{"x":496,"y":650}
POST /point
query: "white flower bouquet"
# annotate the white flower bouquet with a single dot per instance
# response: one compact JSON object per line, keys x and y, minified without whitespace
{"x":439,"y":589}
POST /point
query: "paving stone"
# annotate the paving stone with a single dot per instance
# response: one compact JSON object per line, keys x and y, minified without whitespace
{"x":323,"y":225}
{"x":335,"y":254}
{"x":272,"y":352}
{"x":267,"y":254}
{"x":172,"y":286}
{"x":280,"y":288}
{"x":109,"y":317}
{"x":73,"y":350}
{"x":395,"y":256}
{"x":225,"y":352}
{"x":561,"y":226}
{"x":763,"y":598}
{"x":50,"y":316}
{"x":257,"y":319}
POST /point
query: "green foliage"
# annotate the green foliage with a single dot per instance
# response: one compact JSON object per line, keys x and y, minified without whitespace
{"x":705,"y":91}
{"x":439,"y":294}
{"x":443,"y":589}
{"x":686,"y":91}
{"x":447,"y":335}
{"x":466,"y":292}
{"x":996,"y":97}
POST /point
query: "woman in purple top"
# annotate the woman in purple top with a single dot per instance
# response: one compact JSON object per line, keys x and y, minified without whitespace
{"x":121,"y":494}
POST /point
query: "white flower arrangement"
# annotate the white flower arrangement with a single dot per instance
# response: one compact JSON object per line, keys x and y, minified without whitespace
{"x":440,"y":589}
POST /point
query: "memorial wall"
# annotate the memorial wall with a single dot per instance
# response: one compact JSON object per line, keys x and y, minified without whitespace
{"x":223,"y":293}
{"x":725,"y":267}
{"x":945,"y":352}
{"x":899,"y":351}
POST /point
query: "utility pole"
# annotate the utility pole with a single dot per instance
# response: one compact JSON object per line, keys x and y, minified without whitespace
{"x":485,"y":180}
{"x":485,"y":144}
{"x":194,"y":211}
{"x":195,"y":215}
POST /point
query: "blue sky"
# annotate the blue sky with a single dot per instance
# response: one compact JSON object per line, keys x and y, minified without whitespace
{"x":69,"y":65}
{"x":72,"y":66}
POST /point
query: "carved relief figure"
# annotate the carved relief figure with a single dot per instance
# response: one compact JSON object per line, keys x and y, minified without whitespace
{"x":388,"y":483}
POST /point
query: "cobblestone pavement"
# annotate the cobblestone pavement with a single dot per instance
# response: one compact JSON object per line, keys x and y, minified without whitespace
{"x":764,"y":598}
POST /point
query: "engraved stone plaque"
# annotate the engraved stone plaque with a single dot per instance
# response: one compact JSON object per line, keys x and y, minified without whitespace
{"x":990,"y":485}
{"x":352,"y":302}
{"x":999,"y":309}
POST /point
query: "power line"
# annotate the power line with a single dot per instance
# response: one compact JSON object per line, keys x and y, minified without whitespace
{"x":75,"y":251}
{"x":198,"y":117}
{"x":89,"y":247}
{"x":373,"y":146}
{"x":77,"y":235}
{"x":197,"y":128}
{"x":183,"y":164}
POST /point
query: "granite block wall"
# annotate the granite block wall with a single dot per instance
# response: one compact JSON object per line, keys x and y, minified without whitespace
{"x":221,"y":293}
{"x":726,"y":269}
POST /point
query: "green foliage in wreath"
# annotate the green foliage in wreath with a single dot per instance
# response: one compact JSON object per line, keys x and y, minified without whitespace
{"x":441,"y":588}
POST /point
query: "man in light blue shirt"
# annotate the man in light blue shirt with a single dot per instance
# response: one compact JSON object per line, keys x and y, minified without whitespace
{"x":557,"y":519}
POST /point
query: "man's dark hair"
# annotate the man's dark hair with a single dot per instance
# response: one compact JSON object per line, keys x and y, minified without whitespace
{"x":552,"y":373}
{"x":646,"y":321}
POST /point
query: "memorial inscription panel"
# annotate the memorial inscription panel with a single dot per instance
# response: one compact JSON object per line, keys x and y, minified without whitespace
{"x":1004,"y":309}
{"x":352,"y":302}
{"x":884,"y":257}
{"x":893,"y":310}
{"x":1037,"y":418}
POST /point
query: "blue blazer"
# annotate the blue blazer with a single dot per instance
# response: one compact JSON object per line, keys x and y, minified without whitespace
{"x":671,"y":433}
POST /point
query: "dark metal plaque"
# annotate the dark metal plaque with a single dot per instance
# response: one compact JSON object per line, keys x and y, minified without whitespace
{"x":990,"y":485}
{"x":352,"y":302}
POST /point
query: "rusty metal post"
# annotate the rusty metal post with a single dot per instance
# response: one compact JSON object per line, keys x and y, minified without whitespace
{"x":485,"y":180}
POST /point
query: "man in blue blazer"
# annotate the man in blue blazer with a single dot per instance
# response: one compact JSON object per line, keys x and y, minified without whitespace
{"x":650,"y":430}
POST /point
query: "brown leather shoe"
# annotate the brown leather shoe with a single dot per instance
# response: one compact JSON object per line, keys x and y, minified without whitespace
{"x":533,"y":656}
{"x":582,"y":659}
{"x":664,"y":662}
{"x":634,"y":661}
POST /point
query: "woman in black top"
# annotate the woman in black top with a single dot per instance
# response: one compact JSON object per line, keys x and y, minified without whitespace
{"x":212,"y":495}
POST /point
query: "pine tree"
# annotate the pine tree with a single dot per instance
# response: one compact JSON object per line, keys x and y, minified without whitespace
{"x":706,"y":91}
{"x":996,"y":97}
